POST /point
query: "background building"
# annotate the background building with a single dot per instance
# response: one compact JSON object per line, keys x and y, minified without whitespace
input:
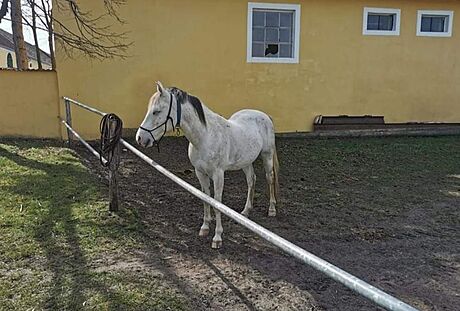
{"x":8,"y":55}
{"x":295,"y":60}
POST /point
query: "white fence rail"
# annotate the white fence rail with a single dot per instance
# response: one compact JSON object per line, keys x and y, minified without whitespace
{"x":357,"y":285}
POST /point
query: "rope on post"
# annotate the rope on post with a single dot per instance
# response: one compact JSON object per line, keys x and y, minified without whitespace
{"x":111,"y":128}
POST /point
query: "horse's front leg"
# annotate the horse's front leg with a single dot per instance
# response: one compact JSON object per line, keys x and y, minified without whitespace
{"x":205,"y":187}
{"x":218,"y":181}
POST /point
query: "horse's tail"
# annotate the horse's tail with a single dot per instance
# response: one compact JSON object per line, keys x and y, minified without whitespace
{"x":276,"y":167}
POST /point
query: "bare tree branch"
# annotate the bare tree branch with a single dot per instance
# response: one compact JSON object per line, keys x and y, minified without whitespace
{"x":49,"y":23}
{"x":91,"y":35}
{"x":4,"y":9}
{"x":34,"y":30}
{"x":85,"y":33}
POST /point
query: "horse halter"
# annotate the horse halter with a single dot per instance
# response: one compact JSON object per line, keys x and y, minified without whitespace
{"x":165,"y":123}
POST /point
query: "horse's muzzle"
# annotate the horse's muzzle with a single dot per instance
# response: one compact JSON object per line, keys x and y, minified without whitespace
{"x":143,"y":140}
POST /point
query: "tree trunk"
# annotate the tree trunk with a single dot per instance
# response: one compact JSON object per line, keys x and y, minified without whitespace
{"x":34,"y":30}
{"x":51,"y":45}
{"x":49,"y":25}
{"x":18,"y":37}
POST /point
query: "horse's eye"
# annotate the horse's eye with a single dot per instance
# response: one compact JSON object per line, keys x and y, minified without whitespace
{"x":155,"y":112}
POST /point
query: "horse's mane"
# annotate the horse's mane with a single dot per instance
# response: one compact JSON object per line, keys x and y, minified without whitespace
{"x":183,"y":97}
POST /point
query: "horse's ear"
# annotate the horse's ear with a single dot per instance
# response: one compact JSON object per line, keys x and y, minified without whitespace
{"x":160,"y":87}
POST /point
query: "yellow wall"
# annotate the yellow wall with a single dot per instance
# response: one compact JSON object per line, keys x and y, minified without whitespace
{"x":29,"y":104}
{"x":200,"y":46}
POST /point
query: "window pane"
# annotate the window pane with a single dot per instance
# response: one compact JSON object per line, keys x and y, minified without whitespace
{"x":258,"y":18}
{"x":258,"y":50}
{"x":286,"y":50}
{"x":386,"y":22}
{"x":271,"y":35}
{"x":285,"y":35}
{"x":271,"y":50}
{"x":9,"y":61}
{"x":286,"y":19}
{"x":258,"y":34}
{"x":372,"y":22}
{"x":437,"y":23}
{"x":426,"y":24}
{"x":272,"y":19}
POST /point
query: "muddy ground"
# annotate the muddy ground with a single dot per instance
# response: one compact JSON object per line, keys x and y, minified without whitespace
{"x":386,"y":210}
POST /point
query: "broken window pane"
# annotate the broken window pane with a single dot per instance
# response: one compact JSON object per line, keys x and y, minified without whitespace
{"x":271,"y":50}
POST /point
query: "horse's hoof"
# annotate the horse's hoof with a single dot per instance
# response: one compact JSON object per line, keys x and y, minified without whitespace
{"x":216,"y":244}
{"x":203,"y":232}
{"x":272,"y":213}
{"x":245,"y":214}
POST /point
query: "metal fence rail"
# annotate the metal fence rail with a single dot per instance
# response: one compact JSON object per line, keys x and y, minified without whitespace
{"x":357,"y":285}
{"x":88,"y":146}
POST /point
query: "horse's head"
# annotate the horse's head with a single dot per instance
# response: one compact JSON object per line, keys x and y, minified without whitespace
{"x":159,"y":119}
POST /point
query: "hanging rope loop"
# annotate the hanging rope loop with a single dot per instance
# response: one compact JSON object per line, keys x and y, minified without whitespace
{"x":111,"y":128}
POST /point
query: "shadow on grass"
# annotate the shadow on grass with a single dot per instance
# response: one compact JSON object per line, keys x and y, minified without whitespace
{"x":65,"y":258}
{"x":61,"y":187}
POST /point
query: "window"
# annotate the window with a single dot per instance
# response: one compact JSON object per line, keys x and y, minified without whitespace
{"x":383,"y":22}
{"x":9,"y":61}
{"x":273,"y":33}
{"x":435,"y":23}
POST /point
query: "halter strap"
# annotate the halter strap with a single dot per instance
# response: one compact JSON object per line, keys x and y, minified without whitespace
{"x":178,"y":112}
{"x":165,"y":123}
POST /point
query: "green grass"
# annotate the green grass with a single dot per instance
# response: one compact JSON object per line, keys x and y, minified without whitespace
{"x":56,"y":236}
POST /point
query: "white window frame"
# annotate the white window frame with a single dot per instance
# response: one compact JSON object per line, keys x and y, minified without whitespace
{"x":450,"y":23}
{"x":394,"y":32}
{"x":296,"y":39}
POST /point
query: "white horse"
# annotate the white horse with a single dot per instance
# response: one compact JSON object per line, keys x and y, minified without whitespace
{"x":216,"y":145}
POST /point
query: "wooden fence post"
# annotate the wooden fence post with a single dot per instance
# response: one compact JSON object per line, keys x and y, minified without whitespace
{"x":68,"y":119}
{"x":113,"y":179}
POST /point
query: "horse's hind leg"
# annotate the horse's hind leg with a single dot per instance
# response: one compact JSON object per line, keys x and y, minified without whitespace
{"x":205,"y":186}
{"x":268,"y":160}
{"x":251,"y":180}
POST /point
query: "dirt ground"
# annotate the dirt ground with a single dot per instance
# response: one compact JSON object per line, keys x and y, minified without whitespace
{"x":386,"y":210}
